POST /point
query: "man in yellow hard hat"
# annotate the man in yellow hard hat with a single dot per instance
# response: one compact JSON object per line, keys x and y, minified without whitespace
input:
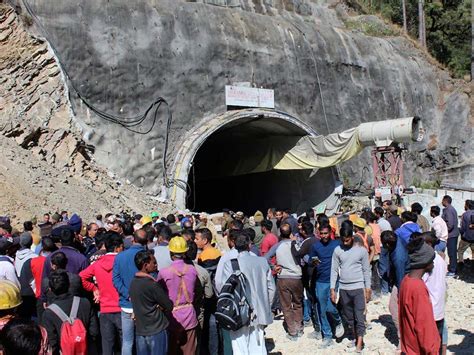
{"x":10,"y":299}
{"x":145,"y":220}
{"x":180,"y":281}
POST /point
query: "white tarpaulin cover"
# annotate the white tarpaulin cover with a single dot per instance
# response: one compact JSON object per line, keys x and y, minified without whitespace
{"x":287,"y":153}
{"x":321,"y":151}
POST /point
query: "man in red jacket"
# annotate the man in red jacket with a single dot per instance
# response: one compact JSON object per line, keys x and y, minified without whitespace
{"x":104,"y":291}
{"x":418,"y":331}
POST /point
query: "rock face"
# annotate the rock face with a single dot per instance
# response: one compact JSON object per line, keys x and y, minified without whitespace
{"x":45,"y":165}
{"x":122,"y":55}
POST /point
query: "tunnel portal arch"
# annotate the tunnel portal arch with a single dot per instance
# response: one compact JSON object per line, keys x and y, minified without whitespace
{"x":223,"y":137}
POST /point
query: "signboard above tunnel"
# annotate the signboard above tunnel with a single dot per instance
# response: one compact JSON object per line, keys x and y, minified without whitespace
{"x":240,"y":96}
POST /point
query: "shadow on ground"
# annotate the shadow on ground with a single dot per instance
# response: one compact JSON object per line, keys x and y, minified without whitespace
{"x":390,"y":329}
{"x":467,"y":344}
{"x":466,"y":271}
{"x":270,"y":344}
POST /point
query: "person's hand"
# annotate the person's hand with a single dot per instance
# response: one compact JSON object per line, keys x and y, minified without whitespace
{"x":333,"y":296}
{"x":96,"y":296}
{"x":277,"y":269}
{"x":292,"y":237}
{"x":368,"y":294}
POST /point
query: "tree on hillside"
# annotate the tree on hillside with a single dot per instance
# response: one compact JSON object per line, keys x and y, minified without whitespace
{"x":442,"y":26}
{"x":404,"y":11}
{"x":421,"y":23}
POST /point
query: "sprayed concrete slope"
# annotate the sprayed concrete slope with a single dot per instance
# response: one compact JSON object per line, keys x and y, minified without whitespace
{"x":121,"y":55}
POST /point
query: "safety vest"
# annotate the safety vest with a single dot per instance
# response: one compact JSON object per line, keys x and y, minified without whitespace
{"x":364,"y":238}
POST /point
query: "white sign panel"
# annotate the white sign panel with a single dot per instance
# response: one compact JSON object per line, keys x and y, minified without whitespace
{"x":384,"y":192}
{"x":249,"y":97}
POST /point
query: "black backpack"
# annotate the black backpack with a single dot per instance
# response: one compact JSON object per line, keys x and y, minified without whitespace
{"x":233,"y":310}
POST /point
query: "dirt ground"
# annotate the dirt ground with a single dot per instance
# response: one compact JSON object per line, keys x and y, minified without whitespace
{"x":30,"y":187}
{"x":382,"y":337}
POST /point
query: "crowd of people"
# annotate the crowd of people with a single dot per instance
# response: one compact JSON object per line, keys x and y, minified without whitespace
{"x":174,"y":285}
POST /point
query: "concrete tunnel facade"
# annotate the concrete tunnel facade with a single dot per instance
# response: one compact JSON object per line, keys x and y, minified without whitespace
{"x":122,"y":55}
{"x":235,"y":136}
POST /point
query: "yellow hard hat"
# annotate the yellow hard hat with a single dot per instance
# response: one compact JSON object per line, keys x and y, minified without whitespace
{"x":178,"y":245}
{"x":145,"y":220}
{"x":9,"y":295}
{"x":359,"y":222}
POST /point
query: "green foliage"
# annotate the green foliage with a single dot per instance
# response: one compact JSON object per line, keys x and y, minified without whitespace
{"x":448,"y":30}
{"x":448,"y":27}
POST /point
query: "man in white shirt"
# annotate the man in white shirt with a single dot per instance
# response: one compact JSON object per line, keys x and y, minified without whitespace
{"x":439,"y":226}
{"x":250,"y":340}
{"x":435,"y":282}
{"x":381,"y":221}
{"x":7,"y":270}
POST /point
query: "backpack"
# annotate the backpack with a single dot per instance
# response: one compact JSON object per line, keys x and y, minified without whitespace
{"x":73,"y":333}
{"x":233,"y":310}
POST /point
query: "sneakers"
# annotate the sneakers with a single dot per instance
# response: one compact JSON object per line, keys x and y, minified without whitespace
{"x":339,"y":330}
{"x":327,"y":342}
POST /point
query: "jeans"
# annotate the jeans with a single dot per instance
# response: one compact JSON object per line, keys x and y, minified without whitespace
{"x":452,"y":253}
{"x":306,"y":310}
{"x":156,"y":344}
{"x":325,"y":306}
{"x":209,"y":341}
{"x":110,"y":329}
{"x":441,"y":246}
{"x":384,"y":270}
{"x":128,"y":333}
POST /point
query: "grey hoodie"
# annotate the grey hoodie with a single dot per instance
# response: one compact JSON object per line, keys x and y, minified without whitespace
{"x":21,"y":257}
{"x":290,"y":267}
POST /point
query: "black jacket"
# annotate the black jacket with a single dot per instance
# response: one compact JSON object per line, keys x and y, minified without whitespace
{"x":75,"y":288}
{"x":52,"y":323}
{"x":150,"y":303}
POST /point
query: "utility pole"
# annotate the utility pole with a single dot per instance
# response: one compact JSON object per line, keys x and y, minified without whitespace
{"x":404,"y":9}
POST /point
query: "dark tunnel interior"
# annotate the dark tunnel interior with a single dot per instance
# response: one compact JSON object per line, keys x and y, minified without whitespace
{"x":219,"y":176}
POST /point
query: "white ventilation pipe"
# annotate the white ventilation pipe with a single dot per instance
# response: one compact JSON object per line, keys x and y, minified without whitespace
{"x":384,"y":133}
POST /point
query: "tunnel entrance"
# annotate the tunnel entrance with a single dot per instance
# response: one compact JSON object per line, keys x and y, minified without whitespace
{"x":228,"y":170}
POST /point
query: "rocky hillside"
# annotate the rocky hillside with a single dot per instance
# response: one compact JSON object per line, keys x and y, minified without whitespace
{"x":121,"y":55}
{"x":45,"y":165}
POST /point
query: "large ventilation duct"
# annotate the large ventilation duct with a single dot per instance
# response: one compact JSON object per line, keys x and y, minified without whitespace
{"x":316,"y":152}
{"x":384,"y":133}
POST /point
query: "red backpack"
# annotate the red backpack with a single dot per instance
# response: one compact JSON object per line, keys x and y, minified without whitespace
{"x":73,"y":332}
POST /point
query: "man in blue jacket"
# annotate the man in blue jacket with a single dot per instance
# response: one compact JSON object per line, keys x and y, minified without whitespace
{"x":123,"y":273}
{"x":399,"y":256}
{"x":450,"y":216}
{"x":321,"y":256}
